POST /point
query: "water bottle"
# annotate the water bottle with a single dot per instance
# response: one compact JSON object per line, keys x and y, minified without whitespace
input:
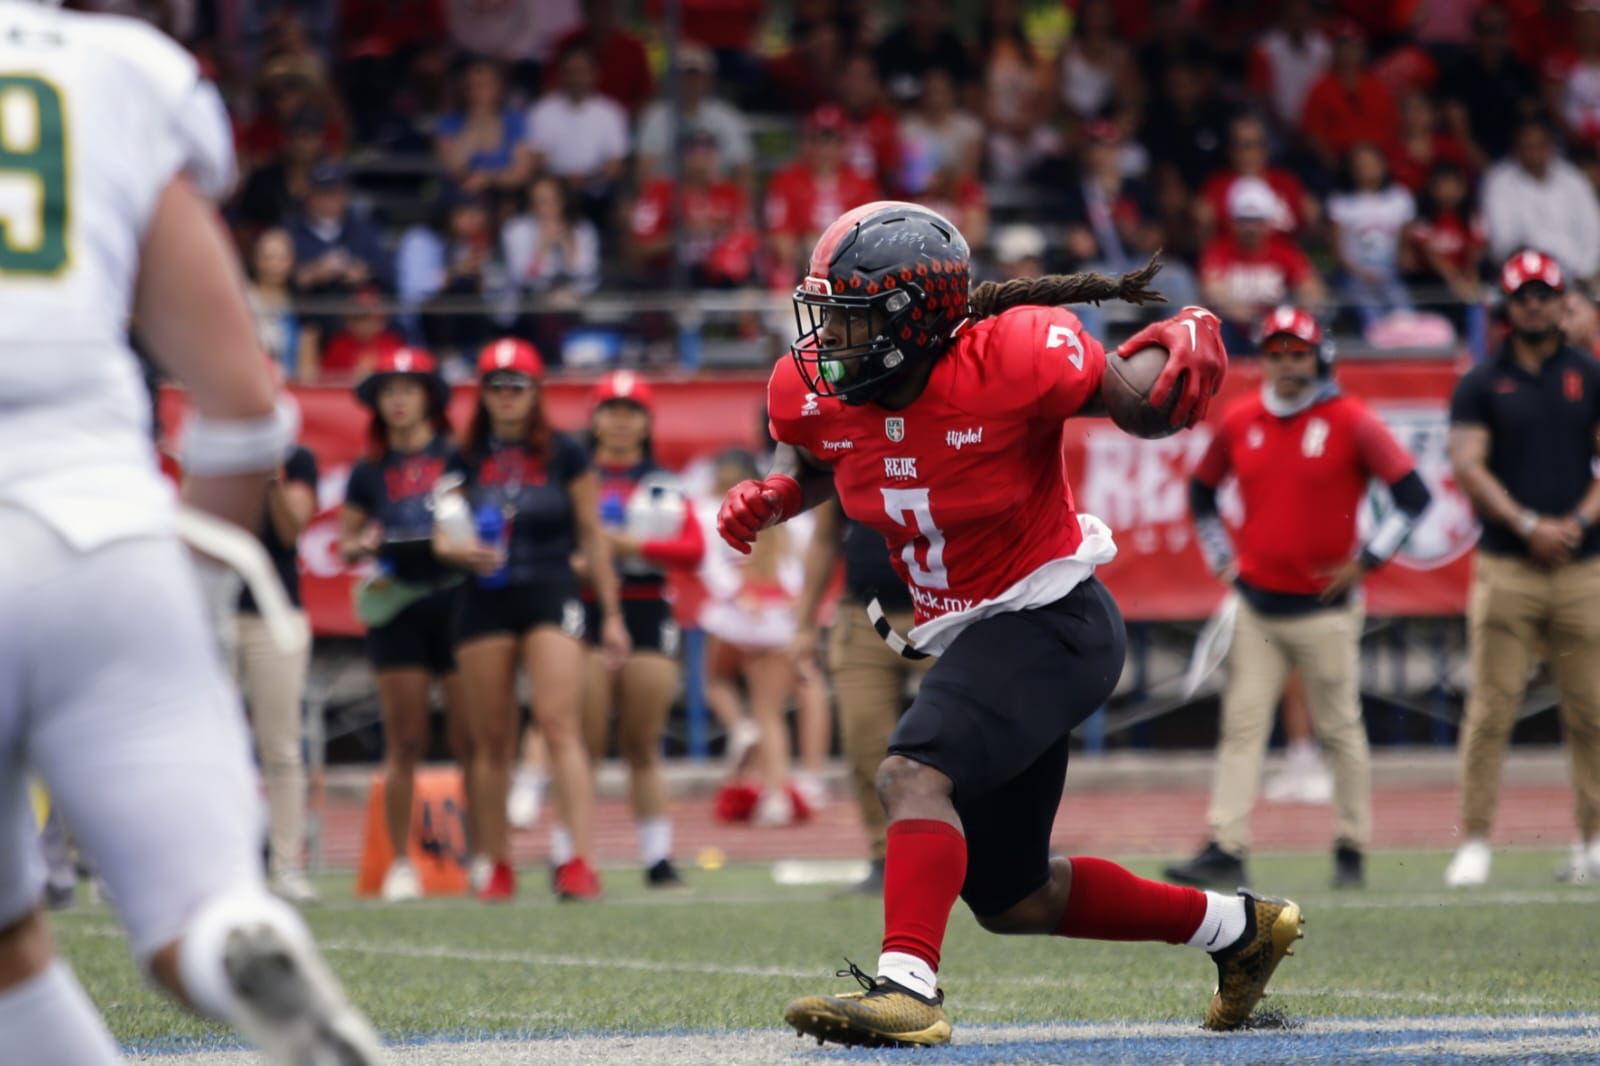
{"x":492,"y":531}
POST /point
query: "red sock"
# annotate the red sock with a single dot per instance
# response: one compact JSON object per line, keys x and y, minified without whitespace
{"x":923,"y":871}
{"x":1110,"y":903}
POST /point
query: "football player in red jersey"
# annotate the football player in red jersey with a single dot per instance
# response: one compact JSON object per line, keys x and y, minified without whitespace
{"x":936,"y":415}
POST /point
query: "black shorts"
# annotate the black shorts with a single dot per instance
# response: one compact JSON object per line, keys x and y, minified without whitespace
{"x":994,"y":715}
{"x":516,"y":609}
{"x":419,"y":637}
{"x":651,"y":626}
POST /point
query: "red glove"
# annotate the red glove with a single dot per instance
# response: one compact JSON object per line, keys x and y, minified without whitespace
{"x":1193,"y":340}
{"x":751,"y":506}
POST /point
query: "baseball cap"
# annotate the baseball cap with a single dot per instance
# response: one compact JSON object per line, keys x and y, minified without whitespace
{"x":828,"y":118}
{"x":624,"y":385}
{"x":1252,"y":198}
{"x":1017,"y":242}
{"x":1530,"y":266}
{"x":510,"y":355}
{"x":696,"y":57}
{"x":327,"y":174}
{"x":1296,"y":322}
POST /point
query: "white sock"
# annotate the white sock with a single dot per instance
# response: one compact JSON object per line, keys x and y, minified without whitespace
{"x":655,"y":840}
{"x":562,"y":850}
{"x":910,"y":971}
{"x":200,"y":952}
{"x":48,"y":1020}
{"x":1223,"y":924}
{"x":1303,"y":753}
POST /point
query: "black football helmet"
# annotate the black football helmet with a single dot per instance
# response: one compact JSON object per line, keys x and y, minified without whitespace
{"x":899,"y":275}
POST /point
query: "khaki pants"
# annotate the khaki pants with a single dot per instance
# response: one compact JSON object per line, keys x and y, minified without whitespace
{"x":869,"y":682}
{"x":274,"y":685}
{"x":1515,"y":607}
{"x":1326,"y":646}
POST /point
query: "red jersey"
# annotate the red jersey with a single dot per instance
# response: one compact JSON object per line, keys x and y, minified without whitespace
{"x":348,"y":356}
{"x":804,"y":203}
{"x":1261,"y":278}
{"x":1302,"y":480}
{"x":1337,"y":119}
{"x":967,"y":484}
{"x":711,"y":214}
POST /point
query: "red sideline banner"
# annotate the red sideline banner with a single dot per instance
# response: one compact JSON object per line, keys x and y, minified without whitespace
{"x":1139,"y":488}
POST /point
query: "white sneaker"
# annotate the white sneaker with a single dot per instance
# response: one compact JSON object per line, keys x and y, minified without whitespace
{"x":479,"y":871}
{"x":1308,"y":782}
{"x":400,"y":884}
{"x":525,"y":799}
{"x":741,"y":738}
{"x":774,"y":811}
{"x":1470,"y":866}
{"x":293,"y":885}
{"x":813,"y":789}
{"x":290,"y":1005}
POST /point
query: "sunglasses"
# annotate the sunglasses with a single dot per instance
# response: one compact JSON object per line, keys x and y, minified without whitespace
{"x":1280,"y":352}
{"x":1535,"y":294}
{"x":505,"y":387}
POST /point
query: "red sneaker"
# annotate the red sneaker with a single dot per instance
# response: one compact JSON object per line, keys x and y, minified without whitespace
{"x":501,"y":886}
{"x":576,"y":880}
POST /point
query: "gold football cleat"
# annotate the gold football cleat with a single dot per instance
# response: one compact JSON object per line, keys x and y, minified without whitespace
{"x":883,"y":1014}
{"x":1244,"y":968}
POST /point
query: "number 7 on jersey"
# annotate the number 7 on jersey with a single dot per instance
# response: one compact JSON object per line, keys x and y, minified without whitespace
{"x":914,"y":502}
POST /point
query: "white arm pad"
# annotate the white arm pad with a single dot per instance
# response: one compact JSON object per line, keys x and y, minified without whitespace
{"x":219,"y":448}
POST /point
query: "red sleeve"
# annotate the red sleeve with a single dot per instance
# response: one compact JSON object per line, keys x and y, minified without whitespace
{"x":1064,"y":361}
{"x":682,"y":552}
{"x":1380,"y":453}
{"x":1314,"y":118}
{"x":1217,"y":461}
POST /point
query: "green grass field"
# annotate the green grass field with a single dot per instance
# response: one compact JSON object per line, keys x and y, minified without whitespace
{"x":729,"y":954}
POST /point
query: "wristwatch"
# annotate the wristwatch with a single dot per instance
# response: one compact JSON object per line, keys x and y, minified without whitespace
{"x":1526,"y":524}
{"x":1583,"y":520}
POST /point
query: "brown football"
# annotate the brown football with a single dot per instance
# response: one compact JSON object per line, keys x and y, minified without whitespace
{"x":1125,"y":390}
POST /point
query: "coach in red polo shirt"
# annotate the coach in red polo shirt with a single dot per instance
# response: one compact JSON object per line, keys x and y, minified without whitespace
{"x":1303,"y":455}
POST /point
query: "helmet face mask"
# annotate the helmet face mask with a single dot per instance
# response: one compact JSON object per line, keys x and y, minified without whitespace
{"x":845,"y":346}
{"x":887,"y":286}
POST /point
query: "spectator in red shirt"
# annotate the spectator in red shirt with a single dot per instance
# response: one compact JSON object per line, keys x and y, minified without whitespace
{"x":1287,"y":60}
{"x":355,"y":349}
{"x":1444,"y":247}
{"x":1244,"y":273}
{"x":871,"y":132}
{"x":1348,"y":104}
{"x":719,"y":240}
{"x":1297,"y":210}
{"x":805,"y":197}
{"x":1423,"y":144}
{"x":623,"y":68}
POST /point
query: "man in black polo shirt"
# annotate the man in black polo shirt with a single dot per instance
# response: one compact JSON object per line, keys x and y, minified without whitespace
{"x":1522,"y":443}
{"x":869,"y":680}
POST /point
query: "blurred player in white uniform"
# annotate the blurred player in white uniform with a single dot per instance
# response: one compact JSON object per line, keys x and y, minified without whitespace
{"x":111,"y":688}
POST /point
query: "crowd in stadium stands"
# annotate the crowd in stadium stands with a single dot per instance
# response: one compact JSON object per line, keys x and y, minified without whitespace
{"x":453,"y":178}
{"x":425,"y":155}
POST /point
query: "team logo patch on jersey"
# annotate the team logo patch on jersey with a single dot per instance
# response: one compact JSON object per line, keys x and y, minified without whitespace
{"x":899,"y":468}
{"x":960,"y":438}
{"x":810,"y":406}
{"x":1255,"y":437}
{"x":1315,"y":440}
{"x":895,"y":429}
